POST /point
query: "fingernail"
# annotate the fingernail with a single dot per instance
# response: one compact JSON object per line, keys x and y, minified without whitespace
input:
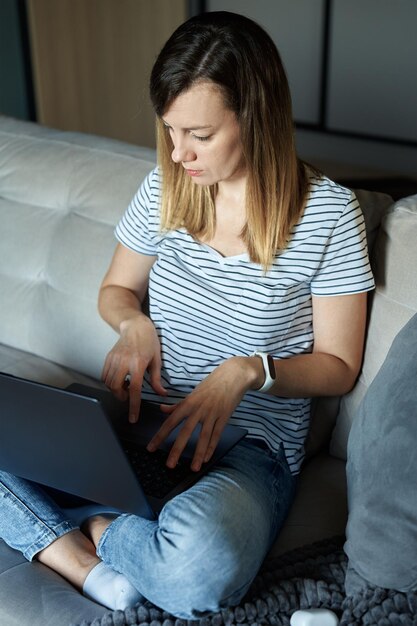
{"x":150,"y":447}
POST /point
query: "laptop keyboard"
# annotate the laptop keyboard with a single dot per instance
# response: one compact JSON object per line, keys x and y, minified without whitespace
{"x":155,"y":477}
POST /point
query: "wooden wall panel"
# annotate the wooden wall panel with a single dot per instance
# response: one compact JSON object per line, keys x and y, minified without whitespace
{"x":92,"y":59}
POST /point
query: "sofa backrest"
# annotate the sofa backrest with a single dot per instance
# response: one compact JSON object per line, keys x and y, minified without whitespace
{"x":394,"y":302}
{"x":61,"y":195}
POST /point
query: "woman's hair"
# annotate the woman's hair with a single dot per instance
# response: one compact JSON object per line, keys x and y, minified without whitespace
{"x":237,"y":55}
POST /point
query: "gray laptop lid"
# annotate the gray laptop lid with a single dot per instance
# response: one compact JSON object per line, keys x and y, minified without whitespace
{"x":70,"y":440}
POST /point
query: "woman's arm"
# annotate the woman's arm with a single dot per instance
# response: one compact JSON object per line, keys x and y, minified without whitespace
{"x":124,"y":286}
{"x":332,"y":368}
{"x":121,"y":295}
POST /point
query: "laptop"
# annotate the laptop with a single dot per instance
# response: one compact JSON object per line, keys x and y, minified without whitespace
{"x":78,"y":440}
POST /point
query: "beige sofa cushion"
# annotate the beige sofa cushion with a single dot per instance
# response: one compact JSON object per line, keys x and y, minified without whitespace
{"x":393,"y":304}
{"x":60,"y":196}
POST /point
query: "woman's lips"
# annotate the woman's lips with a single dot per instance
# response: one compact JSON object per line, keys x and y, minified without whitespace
{"x":193,"y":172}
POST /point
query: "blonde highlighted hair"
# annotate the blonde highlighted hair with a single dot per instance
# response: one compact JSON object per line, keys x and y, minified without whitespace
{"x":238,"y":56}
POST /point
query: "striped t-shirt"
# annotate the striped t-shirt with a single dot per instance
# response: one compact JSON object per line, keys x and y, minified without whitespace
{"x":208,"y":308}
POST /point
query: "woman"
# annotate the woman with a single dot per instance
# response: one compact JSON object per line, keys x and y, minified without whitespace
{"x":256,"y":269}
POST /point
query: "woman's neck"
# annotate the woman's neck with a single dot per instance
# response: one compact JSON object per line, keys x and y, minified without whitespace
{"x":232,"y":192}
{"x":230,"y":219}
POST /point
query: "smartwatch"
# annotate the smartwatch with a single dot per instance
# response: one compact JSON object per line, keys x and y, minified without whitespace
{"x":269,"y":370}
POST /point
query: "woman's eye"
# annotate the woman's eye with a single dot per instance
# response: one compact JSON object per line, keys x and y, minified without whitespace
{"x":200,"y":138}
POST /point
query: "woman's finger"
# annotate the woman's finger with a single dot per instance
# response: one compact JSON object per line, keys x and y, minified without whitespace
{"x":135,"y":389}
{"x":203,"y":443}
{"x":214,"y":439}
{"x":155,"y":377}
{"x":183,"y":438}
{"x":177,"y":413}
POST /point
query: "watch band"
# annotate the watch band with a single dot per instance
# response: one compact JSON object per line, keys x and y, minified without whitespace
{"x":269,"y":370}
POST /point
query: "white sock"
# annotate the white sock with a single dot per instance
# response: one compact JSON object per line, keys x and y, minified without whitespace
{"x":108,"y":587}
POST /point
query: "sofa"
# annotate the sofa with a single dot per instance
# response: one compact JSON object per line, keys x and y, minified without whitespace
{"x":61,"y":194}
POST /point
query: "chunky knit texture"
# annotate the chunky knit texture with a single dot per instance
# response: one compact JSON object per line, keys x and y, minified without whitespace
{"x":309,"y":577}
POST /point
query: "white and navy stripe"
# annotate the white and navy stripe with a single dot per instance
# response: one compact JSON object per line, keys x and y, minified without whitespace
{"x":207,"y":307}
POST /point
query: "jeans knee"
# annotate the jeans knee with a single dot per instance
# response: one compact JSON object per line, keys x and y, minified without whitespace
{"x":194,"y":597}
{"x":203,"y":567}
{"x":200,"y":578}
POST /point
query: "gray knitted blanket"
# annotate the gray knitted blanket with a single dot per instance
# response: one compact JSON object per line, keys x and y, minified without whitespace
{"x":309,"y":577}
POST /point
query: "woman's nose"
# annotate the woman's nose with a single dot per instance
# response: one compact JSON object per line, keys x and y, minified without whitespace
{"x":182,"y":153}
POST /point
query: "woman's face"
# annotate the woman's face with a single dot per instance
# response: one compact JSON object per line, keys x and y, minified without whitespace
{"x":205,"y":135}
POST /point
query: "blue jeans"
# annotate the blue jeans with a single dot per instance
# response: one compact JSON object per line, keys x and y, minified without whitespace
{"x":203,"y":551}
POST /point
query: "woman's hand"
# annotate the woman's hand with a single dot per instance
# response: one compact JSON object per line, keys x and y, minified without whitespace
{"x":137,"y":350}
{"x":211,"y":404}
{"x":122,"y":293}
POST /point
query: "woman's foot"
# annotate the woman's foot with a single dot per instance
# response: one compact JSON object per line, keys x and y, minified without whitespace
{"x":110,"y":588}
{"x":104,"y":584}
{"x":94,"y":526}
{"x":74,"y":556}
